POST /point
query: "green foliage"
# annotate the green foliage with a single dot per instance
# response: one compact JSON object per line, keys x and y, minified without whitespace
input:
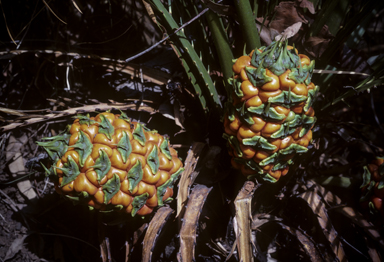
{"x":331,"y":14}
{"x":198,"y":55}
{"x":222,"y":45}
{"x":247,"y":24}
{"x":352,"y":22}
{"x":192,"y":62}
{"x":347,"y":21}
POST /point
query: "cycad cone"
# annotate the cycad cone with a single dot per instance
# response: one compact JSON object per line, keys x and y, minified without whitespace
{"x":269,"y":115}
{"x":111,"y":163}
{"x":373,"y":187}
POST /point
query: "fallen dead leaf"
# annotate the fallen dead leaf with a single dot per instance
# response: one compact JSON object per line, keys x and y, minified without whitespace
{"x":286,"y":14}
{"x":17,"y":166}
{"x":289,"y":31}
{"x":307,"y":4}
{"x":15,"y":247}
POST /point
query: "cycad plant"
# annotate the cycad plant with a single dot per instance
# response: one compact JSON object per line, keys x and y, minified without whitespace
{"x":265,"y":177}
{"x":267,"y":121}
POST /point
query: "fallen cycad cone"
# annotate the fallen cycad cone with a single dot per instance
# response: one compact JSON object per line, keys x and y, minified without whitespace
{"x":111,"y":163}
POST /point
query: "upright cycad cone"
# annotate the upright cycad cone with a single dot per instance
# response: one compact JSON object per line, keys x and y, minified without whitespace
{"x":269,"y":116}
{"x":111,"y":163}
